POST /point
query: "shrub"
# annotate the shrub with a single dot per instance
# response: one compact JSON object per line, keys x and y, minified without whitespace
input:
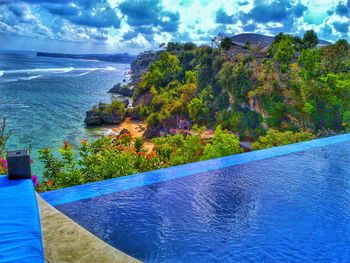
{"x":276,"y":138}
{"x":115,"y":107}
{"x":223,"y":144}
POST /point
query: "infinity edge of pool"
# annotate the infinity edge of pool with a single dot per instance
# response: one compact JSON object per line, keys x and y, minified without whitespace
{"x":85,"y":191}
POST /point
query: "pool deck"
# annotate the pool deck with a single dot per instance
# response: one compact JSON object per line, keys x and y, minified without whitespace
{"x":66,"y":242}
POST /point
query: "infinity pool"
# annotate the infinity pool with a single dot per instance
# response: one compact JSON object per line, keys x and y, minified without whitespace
{"x":287,"y":204}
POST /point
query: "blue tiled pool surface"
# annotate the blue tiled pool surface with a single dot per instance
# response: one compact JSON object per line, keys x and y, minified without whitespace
{"x":285,"y":204}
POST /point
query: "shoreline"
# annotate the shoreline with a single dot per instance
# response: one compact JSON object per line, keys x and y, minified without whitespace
{"x":136,"y":129}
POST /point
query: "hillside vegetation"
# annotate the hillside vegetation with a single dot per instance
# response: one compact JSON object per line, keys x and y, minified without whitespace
{"x":292,"y":91}
{"x":294,"y":85}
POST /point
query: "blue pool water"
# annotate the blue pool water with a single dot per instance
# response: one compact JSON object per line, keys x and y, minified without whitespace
{"x":291,"y":207}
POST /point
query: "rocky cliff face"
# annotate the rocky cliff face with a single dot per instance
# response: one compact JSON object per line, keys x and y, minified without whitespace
{"x":125,"y":89}
{"x":141,"y":63}
{"x":98,"y":115}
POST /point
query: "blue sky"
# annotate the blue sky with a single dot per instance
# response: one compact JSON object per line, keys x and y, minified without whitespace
{"x":112,"y":26}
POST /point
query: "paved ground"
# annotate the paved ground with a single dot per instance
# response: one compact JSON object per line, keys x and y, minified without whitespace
{"x":66,"y":242}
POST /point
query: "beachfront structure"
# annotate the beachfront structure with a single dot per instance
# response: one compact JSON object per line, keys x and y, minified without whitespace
{"x":183,"y":124}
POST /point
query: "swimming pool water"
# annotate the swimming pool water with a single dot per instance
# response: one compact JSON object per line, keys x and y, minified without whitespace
{"x":289,"y":208}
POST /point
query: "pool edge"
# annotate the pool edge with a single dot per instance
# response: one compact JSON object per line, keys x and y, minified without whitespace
{"x":85,"y":191}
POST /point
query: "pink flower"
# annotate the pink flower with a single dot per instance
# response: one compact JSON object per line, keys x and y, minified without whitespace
{"x":35,"y":180}
{"x":3,"y":164}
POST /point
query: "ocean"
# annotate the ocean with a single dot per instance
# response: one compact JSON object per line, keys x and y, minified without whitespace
{"x":45,"y":99}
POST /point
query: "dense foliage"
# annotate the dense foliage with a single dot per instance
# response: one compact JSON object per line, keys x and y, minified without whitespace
{"x":111,"y":157}
{"x":116,"y":107}
{"x":296,"y":84}
{"x":276,"y":138}
{"x":4,"y":136}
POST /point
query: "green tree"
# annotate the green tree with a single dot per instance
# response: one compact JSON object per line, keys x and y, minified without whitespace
{"x":310,"y":61}
{"x":336,"y":58}
{"x":178,"y":149}
{"x":285,"y":53}
{"x":277,"y":138}
{"x":223,"y":144}
{"x":161,"y":72}
{"x":310,"y":39}
{"x":197,"y":110}
{"x":226,"y":43}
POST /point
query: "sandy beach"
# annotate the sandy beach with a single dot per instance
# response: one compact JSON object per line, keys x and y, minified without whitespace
{"x":136,"y":129}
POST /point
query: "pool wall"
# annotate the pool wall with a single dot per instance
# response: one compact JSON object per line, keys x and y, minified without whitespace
{"x":75,"y":193}
{"x":20,"y":230}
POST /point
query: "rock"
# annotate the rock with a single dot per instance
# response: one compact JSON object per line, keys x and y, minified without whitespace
{"x":115,"y":88}
{"x":101,"y":115}
{"x":92,"y":118}
{"x":124,"y":90}
{"x":152,"y":132}
{"x":111,"y":118}
{"x":141,"y":63}
{"x":126,"y":103}
{"x":123,"y":131}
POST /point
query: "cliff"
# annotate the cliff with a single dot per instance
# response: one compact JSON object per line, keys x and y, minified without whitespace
{"x":140,"y":64}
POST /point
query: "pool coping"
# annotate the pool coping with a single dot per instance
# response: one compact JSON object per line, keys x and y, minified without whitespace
{"x":85,"y":191}
{"x":66,"y":241}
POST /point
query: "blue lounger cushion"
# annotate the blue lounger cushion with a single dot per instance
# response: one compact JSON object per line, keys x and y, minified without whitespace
{"x":20,"y":230}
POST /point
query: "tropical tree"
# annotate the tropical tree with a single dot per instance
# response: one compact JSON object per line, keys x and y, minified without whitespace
{"x":310,"y":39}
{"x":277,"y":138}
{"x":284,"y":53}
{"x":223,"y":144}
{"x":226,"y":43}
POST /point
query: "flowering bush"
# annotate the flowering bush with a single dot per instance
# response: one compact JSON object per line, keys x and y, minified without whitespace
{"x":110,"y":157}
{"x":35,"y":180}
{"x":4,"y":136}
{"x":3,"y":165}
{"x":107,"y":157}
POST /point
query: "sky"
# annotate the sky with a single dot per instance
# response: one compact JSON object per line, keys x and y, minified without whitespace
{"x":118,"y":26}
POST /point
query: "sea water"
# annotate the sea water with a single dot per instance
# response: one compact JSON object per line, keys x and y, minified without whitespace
{"x":45,"y":99}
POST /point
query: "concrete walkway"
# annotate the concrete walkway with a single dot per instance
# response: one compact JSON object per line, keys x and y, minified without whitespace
{"x":65,"y":241}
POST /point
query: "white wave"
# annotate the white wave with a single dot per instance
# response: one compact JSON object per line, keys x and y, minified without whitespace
{"x":109,"y":68}
{"x":87,"y":71}
{"x":38,"y":70}
{"x":13,"y":106}
{"x":31,"y":77}
{"x":43,"y":71}
{"x":83,"y":74}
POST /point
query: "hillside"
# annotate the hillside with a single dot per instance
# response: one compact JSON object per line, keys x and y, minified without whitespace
{"x":262,"y":40}
{"x":295,"y":85}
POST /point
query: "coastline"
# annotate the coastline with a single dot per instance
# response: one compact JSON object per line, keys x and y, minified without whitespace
{"x":136,"y":129}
